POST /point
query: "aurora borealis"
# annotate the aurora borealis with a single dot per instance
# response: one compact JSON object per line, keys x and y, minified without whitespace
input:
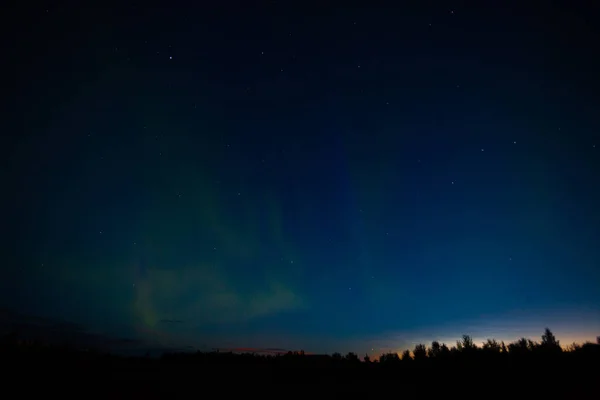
{"x":327,"y":179}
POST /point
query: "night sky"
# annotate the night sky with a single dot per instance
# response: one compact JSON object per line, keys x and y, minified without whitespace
{"x":304,"y":177}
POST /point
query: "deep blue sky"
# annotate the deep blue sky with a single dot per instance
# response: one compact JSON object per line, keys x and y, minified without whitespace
{"x":330,"y":179}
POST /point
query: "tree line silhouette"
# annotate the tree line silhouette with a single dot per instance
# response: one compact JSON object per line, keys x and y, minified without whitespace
{"x":465,"y":361}
{"x":464,"y":350}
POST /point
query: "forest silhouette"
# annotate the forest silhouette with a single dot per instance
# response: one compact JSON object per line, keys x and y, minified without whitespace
{"x":493,"y":368}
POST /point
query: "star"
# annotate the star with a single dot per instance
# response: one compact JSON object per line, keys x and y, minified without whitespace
{"x":170,"y":58}
{"x":482,"y":149}
{"x":453,"y":182}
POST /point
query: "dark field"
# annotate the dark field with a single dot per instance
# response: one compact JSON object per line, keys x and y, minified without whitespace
{"x":486,"y":373}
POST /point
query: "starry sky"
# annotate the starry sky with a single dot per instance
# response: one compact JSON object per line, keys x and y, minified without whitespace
{"x":269,"y":175}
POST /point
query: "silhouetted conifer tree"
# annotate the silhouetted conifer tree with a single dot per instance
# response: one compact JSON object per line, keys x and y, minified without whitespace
{"x":549,"y":343}
{"x":389,"y":358}
{"x":420,"y":352}
{"x":435,"y":349}
{"x":491,"y":346}
{"x":406,"y":356}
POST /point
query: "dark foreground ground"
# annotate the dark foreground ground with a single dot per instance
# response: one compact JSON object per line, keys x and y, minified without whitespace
{"x":67,"y":373}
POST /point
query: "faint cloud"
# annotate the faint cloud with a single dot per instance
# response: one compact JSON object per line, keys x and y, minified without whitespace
{"x":58,"y":331}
